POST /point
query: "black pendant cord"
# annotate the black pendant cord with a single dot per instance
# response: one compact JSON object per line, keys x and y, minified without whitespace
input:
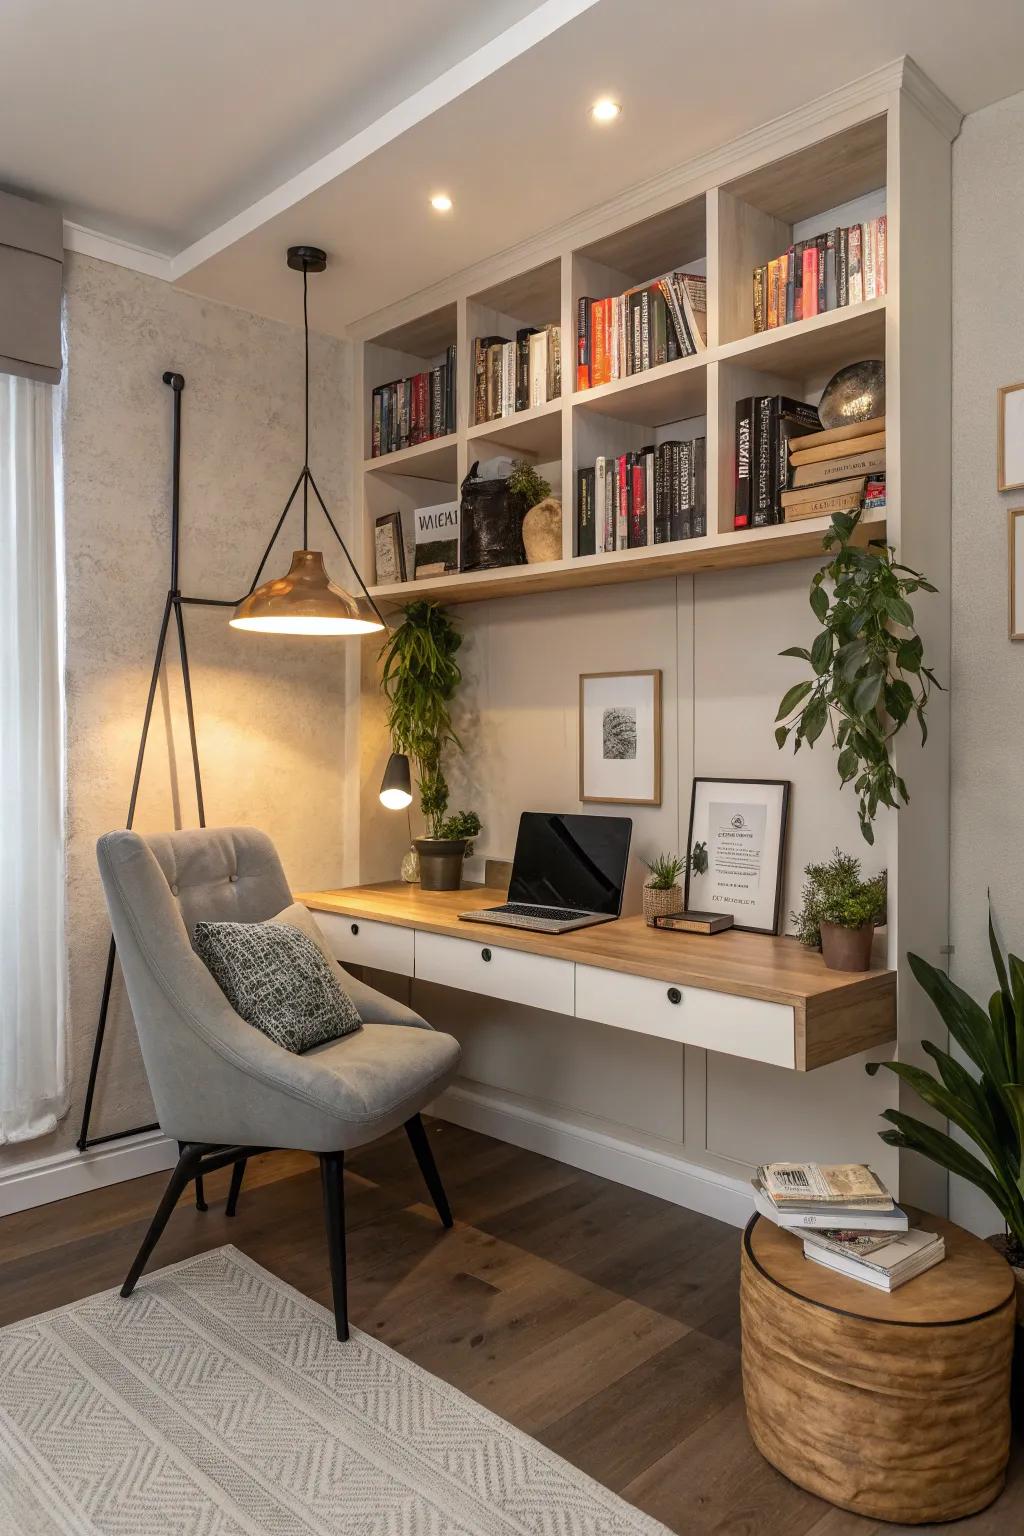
{"x":305,"y":460}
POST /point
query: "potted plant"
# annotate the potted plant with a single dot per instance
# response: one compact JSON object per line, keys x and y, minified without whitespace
{"x":841,"y":911}
{"x":985,"y":1100}
{"x":868,"y":664}
{"x":419,"y":679}
{"x":662,"y":892}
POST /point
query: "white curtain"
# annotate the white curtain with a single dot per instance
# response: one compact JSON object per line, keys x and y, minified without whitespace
{"x":33,"y":967}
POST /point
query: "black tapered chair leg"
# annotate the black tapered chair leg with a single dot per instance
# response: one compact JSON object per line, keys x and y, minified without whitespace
{"x":237,"y":1175}
{"x":183,"y":1171}
{"x":420,"y":1143}
{"x":332,"y":1174}
{"x":201,"y":1204}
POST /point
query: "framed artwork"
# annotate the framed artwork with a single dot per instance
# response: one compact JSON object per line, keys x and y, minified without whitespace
{"x":742,"y":823}
{"x":388,"y":548}
{"x":1016,"y":531}
{"x":1010,"y":437}
{"x":620,"y":738}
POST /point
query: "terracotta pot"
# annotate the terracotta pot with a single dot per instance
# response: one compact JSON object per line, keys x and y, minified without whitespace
{"x":441,"y":860}
{"x":847,"y":949}
{"x":659,"y":902}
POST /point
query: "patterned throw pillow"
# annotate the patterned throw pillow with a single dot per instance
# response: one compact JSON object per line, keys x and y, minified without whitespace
{"x":278,"y":980}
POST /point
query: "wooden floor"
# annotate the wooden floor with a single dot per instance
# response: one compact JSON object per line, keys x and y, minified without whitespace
{"x":602,"y":1321}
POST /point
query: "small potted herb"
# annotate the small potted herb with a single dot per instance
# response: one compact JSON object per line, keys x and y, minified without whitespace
{"x":841,"y":911}
{"x":663,"y":894}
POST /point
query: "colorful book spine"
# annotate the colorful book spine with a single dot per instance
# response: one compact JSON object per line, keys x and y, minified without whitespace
{"x":584,"y":309}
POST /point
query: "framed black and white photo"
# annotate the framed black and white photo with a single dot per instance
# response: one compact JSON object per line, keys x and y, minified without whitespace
{"x":742,"y":825}
{"x":388,"y":548}
{"x":620,"y":738}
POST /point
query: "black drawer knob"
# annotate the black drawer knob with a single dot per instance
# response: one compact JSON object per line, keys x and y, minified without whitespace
{"x":485,"y":954}
{"x":674,"y":995}
{"x":355,"y":928}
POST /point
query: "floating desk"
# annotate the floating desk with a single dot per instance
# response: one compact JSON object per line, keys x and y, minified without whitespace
{"x":765,"y":999}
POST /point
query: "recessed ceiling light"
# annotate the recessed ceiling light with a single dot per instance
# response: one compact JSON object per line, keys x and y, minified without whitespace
{"x":605,"y":110}
{"x":441,"y":202}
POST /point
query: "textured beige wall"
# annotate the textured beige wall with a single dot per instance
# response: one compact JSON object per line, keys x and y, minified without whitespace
{"x":988,"y":669}
{"x":270,"y":712}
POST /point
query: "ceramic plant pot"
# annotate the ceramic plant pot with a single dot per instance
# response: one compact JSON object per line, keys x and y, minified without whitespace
{"x":659,"y":902}
{"x":847,"y":949}
{"x":441,"y":860}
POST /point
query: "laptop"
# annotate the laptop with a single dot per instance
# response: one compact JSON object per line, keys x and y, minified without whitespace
{"x":568,"y":872}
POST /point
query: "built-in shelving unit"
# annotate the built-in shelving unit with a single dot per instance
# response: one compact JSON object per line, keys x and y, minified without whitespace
{"x":724,"y":228}
{"x":881,"y":144}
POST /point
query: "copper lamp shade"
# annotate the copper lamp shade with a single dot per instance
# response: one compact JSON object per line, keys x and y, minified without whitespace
{"x":305,"y":602}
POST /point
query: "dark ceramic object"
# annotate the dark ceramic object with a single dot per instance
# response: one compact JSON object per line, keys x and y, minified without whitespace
{"x":441,"y":860}
{"x":847,"y":949}
{"x":856,"y":393}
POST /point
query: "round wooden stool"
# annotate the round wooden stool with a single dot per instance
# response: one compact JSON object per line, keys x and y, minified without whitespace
{"x":897,"y":1407}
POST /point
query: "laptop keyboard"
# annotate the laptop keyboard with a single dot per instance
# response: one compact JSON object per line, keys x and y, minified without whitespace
{"x":551,"y":914}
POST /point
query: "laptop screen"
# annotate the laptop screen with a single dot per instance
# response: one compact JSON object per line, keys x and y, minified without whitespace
{"x":571,"y":861}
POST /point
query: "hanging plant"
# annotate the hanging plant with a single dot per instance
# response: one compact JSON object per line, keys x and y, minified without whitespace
{"x":868,"y":664}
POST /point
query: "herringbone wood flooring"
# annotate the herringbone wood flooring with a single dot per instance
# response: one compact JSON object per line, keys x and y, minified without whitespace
{"x":601,"y":1321}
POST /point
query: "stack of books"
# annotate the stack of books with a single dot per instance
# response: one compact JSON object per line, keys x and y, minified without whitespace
{"x":654,"y":496}
{"x":415,"y":409}
{"x":840,"y":470}
{"x":839,"y":267}
{"x":765,"y":427}
{"x":848,"y":1220}
{"x":510,"y":376}
{"x":641,"y":328}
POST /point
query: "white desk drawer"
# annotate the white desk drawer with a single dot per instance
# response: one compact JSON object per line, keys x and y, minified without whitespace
{"x":510,"y":974}
{"x":355,"y":941}
{"x":716,"y":1021}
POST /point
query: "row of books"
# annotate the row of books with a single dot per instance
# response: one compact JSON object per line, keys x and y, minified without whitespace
{"x":838,"y":470}
{"x":765,"y":424}
{"x":839,"y":267}
{"x":848,"y":1220}
{"x":654,"y":496}
{"x":511,"y":376}
{"x":413,"y":410}
{"x":641,"y":328}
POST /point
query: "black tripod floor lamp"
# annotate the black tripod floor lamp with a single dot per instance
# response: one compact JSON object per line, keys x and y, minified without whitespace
{"x":303,"y":602}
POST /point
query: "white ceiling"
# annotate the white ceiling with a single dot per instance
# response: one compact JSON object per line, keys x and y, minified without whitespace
{"x":221,"y":131}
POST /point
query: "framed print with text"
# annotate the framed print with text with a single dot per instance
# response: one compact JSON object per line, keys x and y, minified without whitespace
{"x":1017,"y":573}
{"x":388,"y":548}
{"x":1010,"y":437}
{"x":620,"y":738}
{"x":743,"y":824}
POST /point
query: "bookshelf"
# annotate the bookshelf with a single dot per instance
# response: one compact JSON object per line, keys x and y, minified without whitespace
{"x":877,"y":144}
{"x":723,"y":228}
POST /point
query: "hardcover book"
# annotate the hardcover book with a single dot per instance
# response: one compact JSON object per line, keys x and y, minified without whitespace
{"x":839,"y":469}
{"x":696,"y":922}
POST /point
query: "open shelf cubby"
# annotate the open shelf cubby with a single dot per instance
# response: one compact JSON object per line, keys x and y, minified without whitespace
{"x":719,"y":216}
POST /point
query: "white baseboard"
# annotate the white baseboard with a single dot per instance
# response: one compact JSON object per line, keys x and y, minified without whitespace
{"x":582,"y":1146}
{"x":73,"y":1173}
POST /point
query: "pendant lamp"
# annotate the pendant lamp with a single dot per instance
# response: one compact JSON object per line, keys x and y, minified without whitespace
{"x":306,"y":601}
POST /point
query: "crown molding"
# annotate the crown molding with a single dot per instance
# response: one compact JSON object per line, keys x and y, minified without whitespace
{"x":454,"y":82}
{"x":123,"y":253}
{"x":935,"y":104}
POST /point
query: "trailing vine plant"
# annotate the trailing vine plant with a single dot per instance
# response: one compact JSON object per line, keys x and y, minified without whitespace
{"x":419,"y":680}
{"x":868,"y":663}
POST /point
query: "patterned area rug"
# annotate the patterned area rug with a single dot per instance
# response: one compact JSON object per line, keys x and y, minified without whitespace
{"x":217,"y":1402}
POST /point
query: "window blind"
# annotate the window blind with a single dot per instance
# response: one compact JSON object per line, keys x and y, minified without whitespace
{"x":31,"y":271}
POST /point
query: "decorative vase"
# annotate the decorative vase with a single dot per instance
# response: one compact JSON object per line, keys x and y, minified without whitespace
{"x":660,"y":901}
{"x":411,"y":867}
{"x":441,"y":860}
{"x":847,"y":949}
{"x":542,"y":531}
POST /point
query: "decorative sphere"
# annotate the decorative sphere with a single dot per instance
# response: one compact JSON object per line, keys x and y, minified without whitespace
{"x":856,"y":393}
{"x":542,"y":531}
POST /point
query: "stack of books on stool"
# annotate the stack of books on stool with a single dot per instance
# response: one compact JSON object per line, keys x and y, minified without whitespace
{"x":849,"y":1221}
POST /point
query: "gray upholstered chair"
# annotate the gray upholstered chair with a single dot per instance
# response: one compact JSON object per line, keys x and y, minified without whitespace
{"x":222,"y":1089}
